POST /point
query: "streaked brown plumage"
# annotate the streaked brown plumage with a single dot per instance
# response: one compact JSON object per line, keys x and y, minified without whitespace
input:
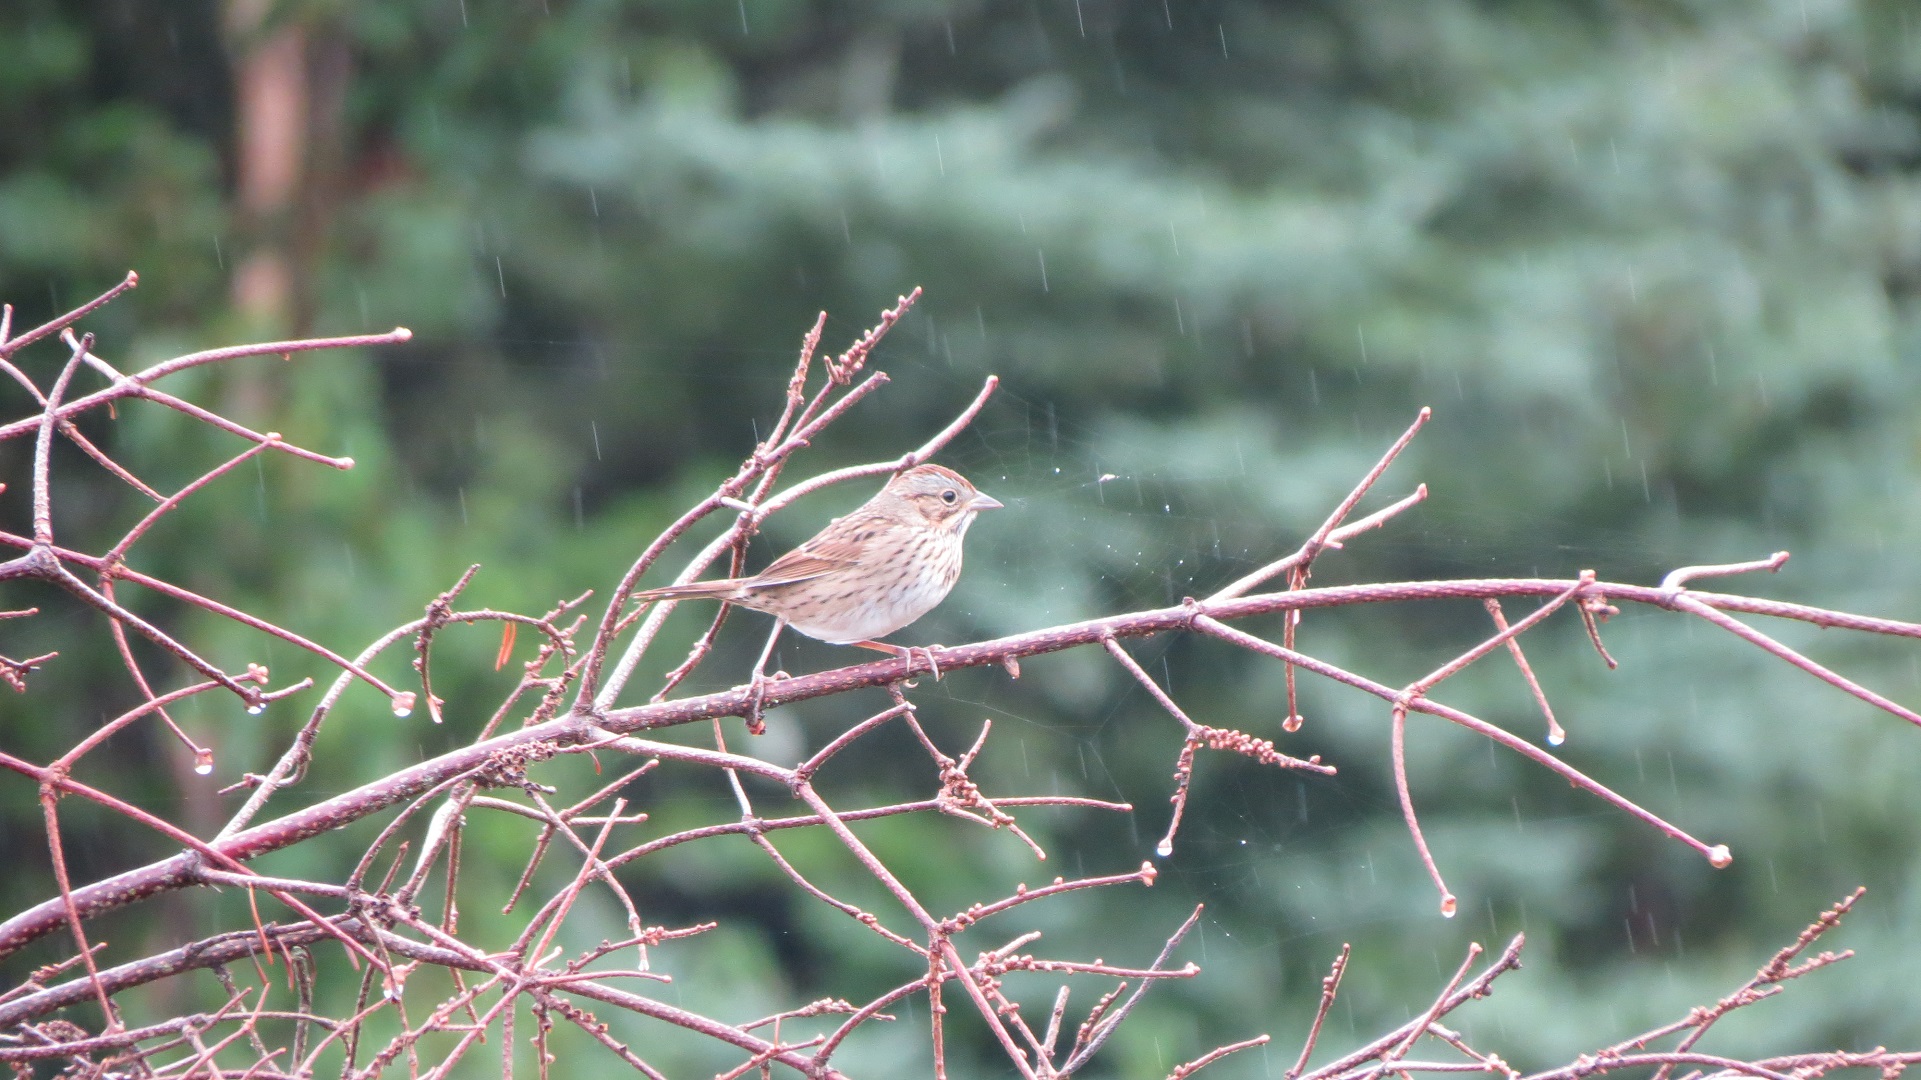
{"x":868,"y":574}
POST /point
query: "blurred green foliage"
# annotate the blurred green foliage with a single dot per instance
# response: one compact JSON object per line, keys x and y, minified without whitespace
{"x":1654,"y":264}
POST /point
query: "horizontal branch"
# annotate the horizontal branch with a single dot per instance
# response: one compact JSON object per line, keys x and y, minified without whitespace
{"x":131,"y":384}
{"x":576,"y":729}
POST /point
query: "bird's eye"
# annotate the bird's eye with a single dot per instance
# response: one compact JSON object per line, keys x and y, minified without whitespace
{"x":949,"y":496}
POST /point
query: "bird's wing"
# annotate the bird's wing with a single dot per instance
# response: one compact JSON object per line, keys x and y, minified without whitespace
{"x":834,"y":549}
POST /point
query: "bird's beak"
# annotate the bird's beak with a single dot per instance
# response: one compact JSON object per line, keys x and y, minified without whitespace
{"x":983,"y":501}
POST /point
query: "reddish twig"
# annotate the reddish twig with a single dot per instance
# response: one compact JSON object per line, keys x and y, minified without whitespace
{"x":10,"y":346}
{"x":1181,"y":1072}
{"x":1324,"y":537}
{"x":1199,"y":735}
{"x":133,"y":385}
{"x":1330,"y":986}
{"x":1555,"y":734}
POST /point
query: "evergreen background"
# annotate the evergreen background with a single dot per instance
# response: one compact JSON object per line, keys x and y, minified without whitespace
{"x":1654,"y":264}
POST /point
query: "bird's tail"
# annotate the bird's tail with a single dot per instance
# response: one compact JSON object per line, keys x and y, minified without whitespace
{"x":721,"y":589}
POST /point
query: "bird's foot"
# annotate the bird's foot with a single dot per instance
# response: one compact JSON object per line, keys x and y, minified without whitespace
{"x":906,"y":652}
{"x":932,"y":652}
{"x":757,"y":699}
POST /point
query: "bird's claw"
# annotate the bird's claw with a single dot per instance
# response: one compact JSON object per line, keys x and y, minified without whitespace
{"x":933,"y":658}
{"x":757,"y":700}
{"x":906,"y":652}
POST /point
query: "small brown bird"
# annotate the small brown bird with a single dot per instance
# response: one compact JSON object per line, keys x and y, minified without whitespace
{"x":868,"y":574}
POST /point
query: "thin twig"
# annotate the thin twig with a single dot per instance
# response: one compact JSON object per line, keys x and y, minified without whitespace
{"x":1330,"y":986}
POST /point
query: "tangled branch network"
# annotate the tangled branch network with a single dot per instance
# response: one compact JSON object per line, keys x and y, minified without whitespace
{"x":374,"y":929}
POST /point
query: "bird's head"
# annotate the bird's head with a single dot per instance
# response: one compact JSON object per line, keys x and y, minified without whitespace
{"x":941,"y":496}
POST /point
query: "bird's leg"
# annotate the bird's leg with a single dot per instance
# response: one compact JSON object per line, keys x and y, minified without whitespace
{"x":757,"y":688}
{"x":907,"y":651}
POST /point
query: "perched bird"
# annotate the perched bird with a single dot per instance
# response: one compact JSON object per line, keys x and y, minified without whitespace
{"x":865,"y":575}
